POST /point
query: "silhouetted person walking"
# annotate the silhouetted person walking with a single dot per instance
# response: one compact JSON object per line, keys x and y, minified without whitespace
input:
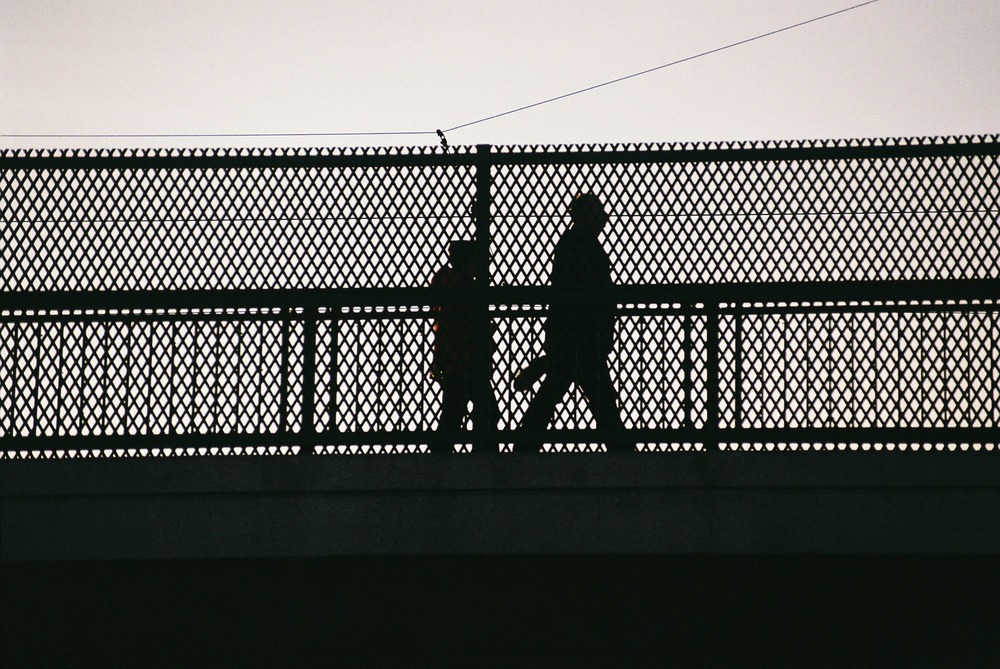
{"x":453,"y":361}
{"x":579,"y":334}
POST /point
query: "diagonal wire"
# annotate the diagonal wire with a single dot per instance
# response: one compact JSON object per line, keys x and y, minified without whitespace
{"x":660,"y":67}
{"x":440,"y":133}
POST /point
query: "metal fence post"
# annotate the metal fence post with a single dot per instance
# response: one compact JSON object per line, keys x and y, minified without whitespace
{"x":483,"y":418}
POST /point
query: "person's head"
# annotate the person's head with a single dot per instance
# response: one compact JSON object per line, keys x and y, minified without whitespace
{"x":462,"y":255}
{"x":587,"y":213}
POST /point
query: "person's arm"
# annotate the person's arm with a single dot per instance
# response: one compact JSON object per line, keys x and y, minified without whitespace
{"x":560,"y":267}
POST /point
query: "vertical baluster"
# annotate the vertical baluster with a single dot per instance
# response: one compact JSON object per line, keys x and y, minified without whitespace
{"x":127,"y":326}
{"x":105,"y":383}
{"x":81,"y":397}
{"x":852,"y":369}
{"x":899,"y":370}
{"x":216,"y":372}
{"x":37,"y":380}
{"x":381,"y":332}
{"x":738,"y":369}
{"x":15,"y":384}
{"x":172,"y":390}
{"x":712,"y":371}
{"x":687,"y":368}
{"x":261,"y":328}
{"x":782,"y":414}
{"x":827,"y":349}
{"x":308,"y":431}
{"x":58,"y":430}
{"x":192,"y":404}
{"x":922,"y":319}
{"x":334,"y":362}
{"x":150,"y":332}
{"x":238,"y":325}
{"x":993,"y":360}
{"x":8,"y":402}
{"x":283,"y":398}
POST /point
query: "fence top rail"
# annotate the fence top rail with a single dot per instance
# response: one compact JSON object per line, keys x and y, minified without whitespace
{"x":416,"y":156}
{"x":726,"y":293}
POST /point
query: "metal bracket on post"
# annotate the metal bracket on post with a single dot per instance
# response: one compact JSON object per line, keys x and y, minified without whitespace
{"x":483,"y":418}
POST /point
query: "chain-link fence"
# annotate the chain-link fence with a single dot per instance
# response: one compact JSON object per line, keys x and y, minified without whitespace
{"x":791,"y":294}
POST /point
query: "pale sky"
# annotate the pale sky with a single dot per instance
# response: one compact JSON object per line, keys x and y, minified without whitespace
{"x":893,"y":68}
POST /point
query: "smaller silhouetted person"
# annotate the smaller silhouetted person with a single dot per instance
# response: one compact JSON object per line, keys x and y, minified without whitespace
{"x":579,"y":332}
{"x":453,"y":361}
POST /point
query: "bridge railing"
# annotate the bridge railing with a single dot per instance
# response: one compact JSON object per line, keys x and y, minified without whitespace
{"x":347,"y":372}
{"x":270,"y":302}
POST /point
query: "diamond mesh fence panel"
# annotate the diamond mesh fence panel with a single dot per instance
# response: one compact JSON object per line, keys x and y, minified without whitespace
{"x":247,"y":227}
{"x":331,"y":366}
{"x":844,"y":370}
{"x":759,"y":220}
{"x":142,"y":375}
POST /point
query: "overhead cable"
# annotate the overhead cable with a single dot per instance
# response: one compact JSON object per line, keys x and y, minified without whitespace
{"x":658,"y":67}
{"x":440,"y":133}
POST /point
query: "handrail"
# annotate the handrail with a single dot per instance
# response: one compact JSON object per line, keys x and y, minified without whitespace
{"x":300,"y":307}
{"x":769,"y":292}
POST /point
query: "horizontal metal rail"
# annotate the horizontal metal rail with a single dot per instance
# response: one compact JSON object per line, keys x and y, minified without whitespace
{"x":833,"y":294}
{"x":692,"y":436}
{"x":986,"y":145}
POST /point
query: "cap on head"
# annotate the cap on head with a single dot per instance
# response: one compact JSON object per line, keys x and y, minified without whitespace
{"x":461,"y":251}
{"x":587,"y":209}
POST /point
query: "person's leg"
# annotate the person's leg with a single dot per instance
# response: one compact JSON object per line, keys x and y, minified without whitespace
{"x":490,"y":417}
{"x":536,"y":417}
{"x":595,"y":381}
{"x":454,"y":406}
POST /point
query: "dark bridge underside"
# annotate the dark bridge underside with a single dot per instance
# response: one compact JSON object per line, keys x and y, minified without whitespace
{"x":684,"y":502}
